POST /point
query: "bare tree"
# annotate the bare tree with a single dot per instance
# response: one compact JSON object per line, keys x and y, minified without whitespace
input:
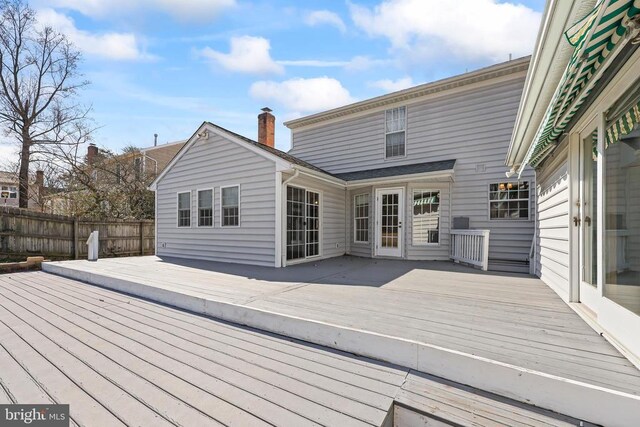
{"x":39,"y":81}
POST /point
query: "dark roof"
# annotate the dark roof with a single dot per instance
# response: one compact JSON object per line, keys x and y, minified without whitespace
{"x":288,"y":157}
{"x":442,"y":165}
{"x":350,"y":176}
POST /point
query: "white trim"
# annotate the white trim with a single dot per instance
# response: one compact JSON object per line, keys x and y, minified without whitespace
{"x":155,"y":221}
{"x":281,"y":164}
{"x":178,"y":209}
{"x":529,"y":217}
{"x":401,"y":219}
{"x":222,"y":187}
{"x":320,"y":219}
{"x":213,"y":207}
{"x":404,"y":130}
{"x":445,"y":175}
{"x":413,"y":225}
{"x":355,"y":229}
{"x":445,"y":87}
{"x":278,"y":220}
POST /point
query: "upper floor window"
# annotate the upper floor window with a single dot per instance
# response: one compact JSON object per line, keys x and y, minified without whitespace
{"x":184,"y":209}
{"x":509,"y":200}
{"x":395,"y":132}
{"x":9,"y":192}
{"x":230,"y":206}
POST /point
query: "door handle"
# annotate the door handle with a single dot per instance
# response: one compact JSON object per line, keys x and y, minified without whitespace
{"x":576,"y":221}
{"x":587,"y":220}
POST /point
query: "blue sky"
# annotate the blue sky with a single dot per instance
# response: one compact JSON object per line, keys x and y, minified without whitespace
{"x":165,"y":66}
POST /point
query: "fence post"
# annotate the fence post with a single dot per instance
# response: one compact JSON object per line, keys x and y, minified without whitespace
{"x":76,"y":249}
{"x":141,"y":237}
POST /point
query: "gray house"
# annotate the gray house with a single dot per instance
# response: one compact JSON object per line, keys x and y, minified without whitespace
{"x":385,"y":177}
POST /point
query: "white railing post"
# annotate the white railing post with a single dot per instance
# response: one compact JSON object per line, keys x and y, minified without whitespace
{"x":471,"y":247}
{"x":94,"y":245}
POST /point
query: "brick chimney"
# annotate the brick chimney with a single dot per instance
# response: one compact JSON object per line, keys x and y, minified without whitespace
{"x":92,"y":153}
{"x":39,"y":178}
{"x":266,"y":127}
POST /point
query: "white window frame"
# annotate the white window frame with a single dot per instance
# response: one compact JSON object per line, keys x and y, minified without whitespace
{"x":178,"y":210}
{"x":222,"y":207}
{"x":213,"y":207}
{"x":406,"y":113}
{"x":355,"y":218}
{"x":426,"y":190}
{"x":9,"y":189}
{"x":528,"y":200}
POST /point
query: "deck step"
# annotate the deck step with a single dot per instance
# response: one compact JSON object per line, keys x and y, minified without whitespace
{"x":556,"y":393}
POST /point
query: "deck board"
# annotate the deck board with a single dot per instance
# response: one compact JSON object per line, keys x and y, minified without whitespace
{"x":142,"y":370}
{"x":464,"y":405}
{"x":511,"y":318}
{"x":118,"y":359}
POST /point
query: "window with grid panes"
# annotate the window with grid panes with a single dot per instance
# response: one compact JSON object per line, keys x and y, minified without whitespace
{"x":395,"y":132}
{"x":230,"y":206}
{"x":361,"y":218}
{"x":509,"y":200}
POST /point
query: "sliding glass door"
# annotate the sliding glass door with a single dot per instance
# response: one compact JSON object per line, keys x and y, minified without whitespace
{"x":303,"y":223}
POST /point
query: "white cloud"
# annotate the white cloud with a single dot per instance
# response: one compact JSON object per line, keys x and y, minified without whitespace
{"x":389,"y":85}
{"x":486,"y":29}
{"x":303,"y":95}
{"x":185,"y":10}
{"x":325,"y":17}
{"x":248,"y":55}
{"x":110,"y":45}
{"x":357,"y":63}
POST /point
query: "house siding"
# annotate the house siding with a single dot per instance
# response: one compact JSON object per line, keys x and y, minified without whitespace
{"x":210,"y":164}
{"x":553,"y":224}
{"x":333,"y":232}
{"x":473,"y":126}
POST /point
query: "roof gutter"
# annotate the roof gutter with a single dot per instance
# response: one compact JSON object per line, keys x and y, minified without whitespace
{"x":447,"y":175}
{"x":548,"y":64}
{"x":320,"y":176}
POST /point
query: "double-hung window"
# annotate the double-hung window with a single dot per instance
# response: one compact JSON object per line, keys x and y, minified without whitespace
{"x":184,"y":209}
{"x":509,"y":200}
{"x":205,"y":208}
{"x":361,"y":218}
{"x":395,"y":132}
{"x":426,"y":217}
{"x":230,"y":206}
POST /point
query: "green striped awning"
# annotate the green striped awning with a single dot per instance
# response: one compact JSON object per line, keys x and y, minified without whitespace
{"x":624,"y":125}
{"x":594,"y":38}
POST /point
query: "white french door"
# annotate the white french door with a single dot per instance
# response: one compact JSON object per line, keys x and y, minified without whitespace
{"x":303,"y":223}
{"x":389,"y":218}
{"x":586,"y":219}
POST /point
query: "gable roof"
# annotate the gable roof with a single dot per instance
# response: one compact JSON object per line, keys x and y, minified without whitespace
{"x":264,"y":150}
{"x":393,"y":171}
{"x":281,"y":154}
{"x":438,"y":86}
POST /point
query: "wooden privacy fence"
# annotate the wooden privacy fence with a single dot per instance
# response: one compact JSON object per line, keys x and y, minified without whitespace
{"x":26,"y":233}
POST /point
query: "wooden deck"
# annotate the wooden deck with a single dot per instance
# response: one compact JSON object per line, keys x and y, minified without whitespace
{"x":120,"y":360}
{"x":510,"y":318}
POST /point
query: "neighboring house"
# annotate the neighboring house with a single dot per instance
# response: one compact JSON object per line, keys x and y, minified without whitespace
{"x":10,"y":195}
{"x":385,"y":177}
{"x":578,"y":126}
{"x":130,"y":171}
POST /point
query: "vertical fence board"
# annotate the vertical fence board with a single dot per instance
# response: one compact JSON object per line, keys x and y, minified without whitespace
{"x":26,"y":233}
